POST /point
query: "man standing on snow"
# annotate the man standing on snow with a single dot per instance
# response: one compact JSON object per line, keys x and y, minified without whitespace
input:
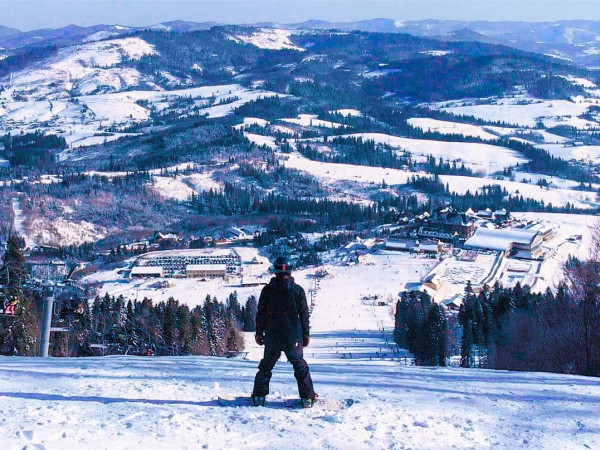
{"x":282,"y":325}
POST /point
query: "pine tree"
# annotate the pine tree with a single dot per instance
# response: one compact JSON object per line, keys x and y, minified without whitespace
{"x":13,"y":261}
{"x":185,"y":329}
{"x":435,"y":330}
{"x":249,"y":314}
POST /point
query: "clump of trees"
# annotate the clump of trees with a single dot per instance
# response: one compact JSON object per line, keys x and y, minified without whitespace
{"x":19,"y":333}
{"x":421,"y":327}
{"x":516,"y":329}
{"x":32,"y":149}
{"x":120,"y":326}
{"x":170,"y":327}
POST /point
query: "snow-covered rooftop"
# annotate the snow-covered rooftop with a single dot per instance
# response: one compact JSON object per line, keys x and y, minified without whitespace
{"x":500,"y":239}
{"x":206,"y":267}
{"x":145,"y":270}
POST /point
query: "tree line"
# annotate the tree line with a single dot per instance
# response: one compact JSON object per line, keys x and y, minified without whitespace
{"x":509,"y":328}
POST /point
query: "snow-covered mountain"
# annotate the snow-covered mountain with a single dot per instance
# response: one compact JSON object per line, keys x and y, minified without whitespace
{"x":575,"y":40}
{"x":80,"y":70}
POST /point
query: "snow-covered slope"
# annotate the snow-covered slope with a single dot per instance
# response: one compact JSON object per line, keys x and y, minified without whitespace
{"x":483,"y":158}
{"x":558,"y":194}
{"x":268,"y":38}
{"x":80,"y":70}
{"x":445,"y":127}
{"x":526,"y":111}
{"x":170,"y":402}
{"x":137,"y":403}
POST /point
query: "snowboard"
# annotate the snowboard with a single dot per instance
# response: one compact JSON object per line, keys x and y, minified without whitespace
{"x":329,"y":404}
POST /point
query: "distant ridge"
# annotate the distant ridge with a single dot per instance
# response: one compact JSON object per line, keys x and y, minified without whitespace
{"x":577,"y":40}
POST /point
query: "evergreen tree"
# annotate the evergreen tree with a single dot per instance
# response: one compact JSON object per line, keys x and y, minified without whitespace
{"x":13,"y":273}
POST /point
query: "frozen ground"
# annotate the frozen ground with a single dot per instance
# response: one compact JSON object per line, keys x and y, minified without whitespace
{"x":170,"y":402}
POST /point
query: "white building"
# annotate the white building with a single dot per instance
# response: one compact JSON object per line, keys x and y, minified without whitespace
{"x":206,"y":271}
{"x":147,"y":272}
{"x":520,"y":243}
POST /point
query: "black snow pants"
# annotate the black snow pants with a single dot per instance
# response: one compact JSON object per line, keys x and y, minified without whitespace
{"x":295,"y":356}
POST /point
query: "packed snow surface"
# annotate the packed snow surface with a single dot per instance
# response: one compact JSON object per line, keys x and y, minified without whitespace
{"x":171,"y":402}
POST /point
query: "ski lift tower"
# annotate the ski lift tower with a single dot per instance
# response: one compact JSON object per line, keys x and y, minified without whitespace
{"x":49,"y":285}
{"x":48,"y":293}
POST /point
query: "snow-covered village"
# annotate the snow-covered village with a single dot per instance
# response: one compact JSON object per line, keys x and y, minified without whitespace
{"x":273,"y":224}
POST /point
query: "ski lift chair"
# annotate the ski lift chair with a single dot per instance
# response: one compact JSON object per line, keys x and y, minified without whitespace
{"x":9,"y":306}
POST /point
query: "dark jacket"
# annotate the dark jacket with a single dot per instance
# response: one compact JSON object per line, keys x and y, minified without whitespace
{"x":282,"y":313}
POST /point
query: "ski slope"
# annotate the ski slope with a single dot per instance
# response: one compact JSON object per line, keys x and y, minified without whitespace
{"x":170,"y":402}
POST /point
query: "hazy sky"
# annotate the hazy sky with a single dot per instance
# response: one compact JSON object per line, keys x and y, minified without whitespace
{"x":27,"y":15}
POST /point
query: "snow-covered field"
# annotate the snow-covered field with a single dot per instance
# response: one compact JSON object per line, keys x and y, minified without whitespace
{"x":482,"y":158}
{"x":558,"y":195}
{"x":586,"y":153}
{"x":310,"y":120}
{"x":525,"y":111}
{"x":350,"y":172}
{"x":260,"y":140}
{"x":81,"y":91}
{"x":170,"y":402}
{"x":82,"y":69}
{"x":79,"y":121}
{"x":445,"y":127}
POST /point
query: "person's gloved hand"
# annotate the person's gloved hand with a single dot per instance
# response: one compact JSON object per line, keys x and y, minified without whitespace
{"x":260,"y":340}
{"x":305,"y":340}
